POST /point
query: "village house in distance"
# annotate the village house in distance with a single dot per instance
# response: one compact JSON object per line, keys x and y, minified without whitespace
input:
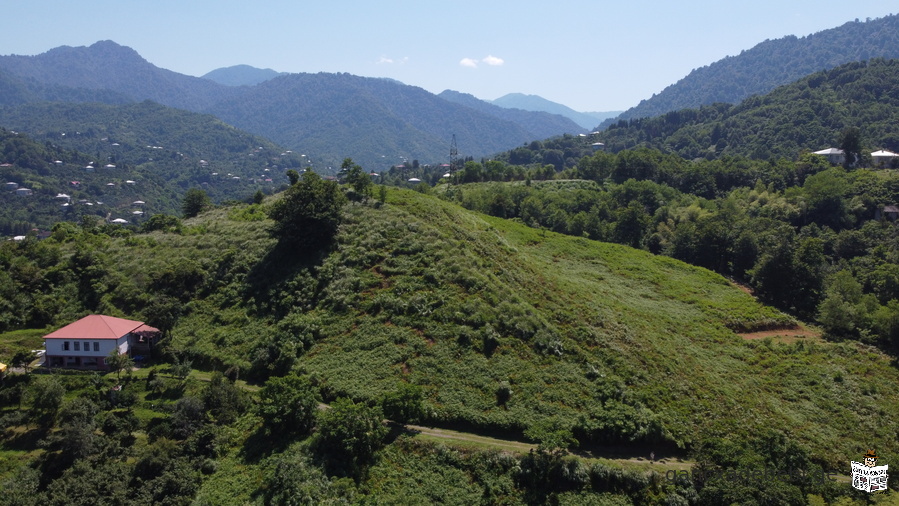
{"x":86,"y":343}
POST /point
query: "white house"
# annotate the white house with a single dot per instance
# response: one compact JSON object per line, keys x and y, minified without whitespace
{"x":25,"y":192}
{"x":87,"y":342}
{"x":833,"y":155}
{"x":883,"y":158}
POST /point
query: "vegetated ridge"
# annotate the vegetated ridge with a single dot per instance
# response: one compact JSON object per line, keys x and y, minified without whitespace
{"x":808,"y":115}
{"x":773,"y":63}
{"x":89,"y":151}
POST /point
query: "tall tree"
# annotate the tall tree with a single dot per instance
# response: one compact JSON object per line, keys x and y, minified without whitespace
{"x":195,"y":202}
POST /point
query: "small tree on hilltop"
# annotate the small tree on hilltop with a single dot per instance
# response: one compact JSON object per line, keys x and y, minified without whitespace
{"x":309,"y":213}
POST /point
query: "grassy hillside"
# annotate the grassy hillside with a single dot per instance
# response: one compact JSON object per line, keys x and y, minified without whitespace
{"x":507,"y":327}
{"x":503,"y":329}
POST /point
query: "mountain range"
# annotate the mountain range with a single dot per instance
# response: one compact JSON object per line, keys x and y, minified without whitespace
{"x":588,"y":120}
{"x":773,"y":63}
{"x":376,"y":122}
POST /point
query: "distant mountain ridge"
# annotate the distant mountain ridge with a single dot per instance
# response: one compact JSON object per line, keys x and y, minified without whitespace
{"x":106,"y":65}
{"x":241,"y":75}
{"x":773,"y":63}
{"x":377,"y":122}
{"x":541,"y":123}
{"x":588,"y":120}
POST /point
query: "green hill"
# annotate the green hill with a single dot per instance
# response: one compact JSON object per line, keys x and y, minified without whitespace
{"x":433,"y":313}
{"x":504,"y":327}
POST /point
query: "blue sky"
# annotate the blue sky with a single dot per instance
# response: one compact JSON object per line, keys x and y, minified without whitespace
{"x":592,"y":55}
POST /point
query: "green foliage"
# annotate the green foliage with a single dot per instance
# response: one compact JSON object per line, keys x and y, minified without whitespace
{"x":350,"y":433}
{"x":288,"y":404}
{"x":308,"y":213}
{"x":45,"y":395}
{"x":195,"y":202}
{"x":772,"y":63}
{"x":405,"y":404}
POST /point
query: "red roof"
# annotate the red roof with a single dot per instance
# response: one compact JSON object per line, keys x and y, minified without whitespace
{"x":96,"y":326}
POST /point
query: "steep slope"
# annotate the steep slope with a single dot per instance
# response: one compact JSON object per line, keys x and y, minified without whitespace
{"x":539,"y":124}
{"x":808,"y":115}
{"x":587,"y":120}
{"x":773,"y":63}
{"x":241,"y":75}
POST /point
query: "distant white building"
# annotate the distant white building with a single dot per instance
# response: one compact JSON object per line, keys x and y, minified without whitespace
{"x":883,"y":158}
{"x":12,"y":186}
{"x":833,"y":155}
{"x":25,"y":192}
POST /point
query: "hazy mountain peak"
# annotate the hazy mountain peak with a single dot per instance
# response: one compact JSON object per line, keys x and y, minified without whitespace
{"x":241,"y":75}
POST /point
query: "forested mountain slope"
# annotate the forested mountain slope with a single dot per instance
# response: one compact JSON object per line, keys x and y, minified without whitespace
{"x":808,"y":115}
{"x":377,"y":122}
{"x":162,"y":150}
{"x":773,"y":63}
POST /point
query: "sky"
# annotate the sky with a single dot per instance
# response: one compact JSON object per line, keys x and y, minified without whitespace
{"x":591,"y":55}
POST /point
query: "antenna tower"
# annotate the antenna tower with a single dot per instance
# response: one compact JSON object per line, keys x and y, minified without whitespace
{"x":454,"y":156}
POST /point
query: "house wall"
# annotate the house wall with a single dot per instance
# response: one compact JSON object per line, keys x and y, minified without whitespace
{"x":55,"y":347}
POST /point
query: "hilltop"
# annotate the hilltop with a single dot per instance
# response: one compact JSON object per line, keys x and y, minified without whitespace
{"x":241,"y":75}
{"x":587,"y":120}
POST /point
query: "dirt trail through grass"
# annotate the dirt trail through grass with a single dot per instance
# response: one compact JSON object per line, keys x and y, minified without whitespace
{"x":787,"y":333}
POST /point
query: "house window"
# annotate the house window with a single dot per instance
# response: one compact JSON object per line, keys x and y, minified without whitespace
{"x":77,"y":346}
{"x":96,"y":345}
{"x":65,"y":346}
{"x":87,"y":346}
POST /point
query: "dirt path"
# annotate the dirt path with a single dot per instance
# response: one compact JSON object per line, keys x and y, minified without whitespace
{"x":787,"y":334}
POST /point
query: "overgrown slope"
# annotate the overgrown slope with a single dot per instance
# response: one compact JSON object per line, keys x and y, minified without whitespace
{"x":507,"y":328}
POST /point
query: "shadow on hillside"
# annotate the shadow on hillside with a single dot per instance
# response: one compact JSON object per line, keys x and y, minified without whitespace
{"x":286,"y":277}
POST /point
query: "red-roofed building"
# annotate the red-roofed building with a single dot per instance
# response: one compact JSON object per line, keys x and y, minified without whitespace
{"x":87,"y":342}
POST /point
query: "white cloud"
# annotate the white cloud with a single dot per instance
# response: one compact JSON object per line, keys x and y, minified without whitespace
{"x":468,"y":62}
{"x":389,"y":61}
{"x":493,"y":61}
